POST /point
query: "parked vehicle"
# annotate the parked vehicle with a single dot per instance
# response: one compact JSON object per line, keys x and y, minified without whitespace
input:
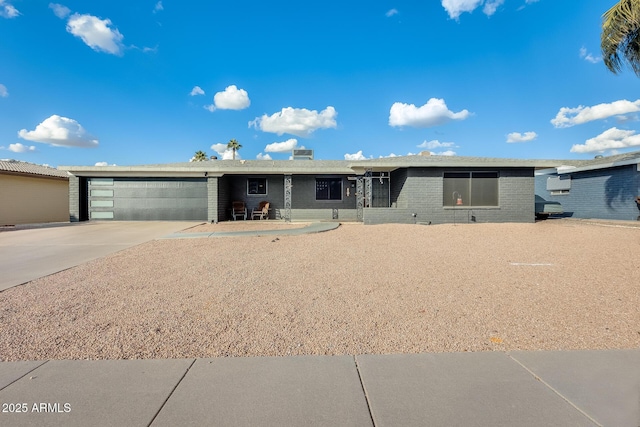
{"x":544,"y":208}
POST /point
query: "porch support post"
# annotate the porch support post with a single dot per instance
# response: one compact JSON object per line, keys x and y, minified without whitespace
{"x":359,"y":198}
{"x":368,"y":193}
{"x":287,"y":198}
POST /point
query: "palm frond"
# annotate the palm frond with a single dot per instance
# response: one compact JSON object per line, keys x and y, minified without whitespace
{"x":620,"y":39}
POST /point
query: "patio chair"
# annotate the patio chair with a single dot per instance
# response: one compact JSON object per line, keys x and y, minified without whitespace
{"x":238,"y":209}
{"x":262,"y":211}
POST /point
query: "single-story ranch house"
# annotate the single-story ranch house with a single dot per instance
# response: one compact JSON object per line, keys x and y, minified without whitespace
{"x":32,"y":193}
{"x":411,"y":189}
{"x":605,"y":187}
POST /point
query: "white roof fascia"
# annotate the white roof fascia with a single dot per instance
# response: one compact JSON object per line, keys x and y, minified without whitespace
{"x":548,"y":171}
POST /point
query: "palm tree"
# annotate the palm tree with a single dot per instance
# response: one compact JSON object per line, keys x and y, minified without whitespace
{"x":235,"y":146}
{"x":620,"y":39}
{"x":200,"y":156}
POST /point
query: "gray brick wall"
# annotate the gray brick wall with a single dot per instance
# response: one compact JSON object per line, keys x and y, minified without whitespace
{"x":236,"y":190}
{"x":422,"y":193}
{"x":398,"y":197}
{"x":304,"y":205}
{"x":603,"y":194}
{"x":74,"y":199}
{"x":224,"y":199}
{"x":212,"y":199}
{"x":303,"y":195}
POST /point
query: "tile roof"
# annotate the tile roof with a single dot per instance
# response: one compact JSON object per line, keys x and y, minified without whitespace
{"x":24,"y":168}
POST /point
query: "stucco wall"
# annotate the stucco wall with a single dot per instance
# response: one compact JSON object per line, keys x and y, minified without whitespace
{"x":602,"y":194}
{"x":29,"y":199}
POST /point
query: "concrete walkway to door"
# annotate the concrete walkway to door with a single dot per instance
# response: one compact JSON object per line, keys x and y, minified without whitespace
{"x":30,"y":253}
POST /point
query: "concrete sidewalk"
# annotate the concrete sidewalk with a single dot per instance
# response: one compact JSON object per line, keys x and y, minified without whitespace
{"x":570,"y":388}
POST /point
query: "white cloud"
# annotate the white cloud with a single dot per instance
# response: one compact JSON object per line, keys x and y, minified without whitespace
{"x":627,"y":118}
{"x":3,"y":91}
{"x":59,"y":10}
{"x":588,"y":56}
{"x":96,"y":33}
{"x":60,"y":132}
{"x":228,"y":155}
{"x":219,"y":147}
{"x":444,"y":153}
{"x":282,"y":147}
{"x":231,"y":98}
{"x":568,"y":117}
{"x":296,"y":121}
{"x":197,"y":90}
{"x":433,"y":113}
{"x":521,"y":137}
{"x":19,"y":148}
{"x":211,"y":108}
{"x":7,"y":10}
{"x":435,"y":144}
{"x":391,"y":12}
{"x":105,"y":164}
{"x":456,"y":7}
{"x":397,"y":155}
{"x":223,"y":152}
{"x":608,"y":140}
{"x":261,"y":156}
{"x":158,"y":7}
{"x":491,"y":6}
{"x":355,"y":156}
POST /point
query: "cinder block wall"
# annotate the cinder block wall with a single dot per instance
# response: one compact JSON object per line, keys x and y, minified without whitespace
{"x":304,"y":205}
{"x":421,"y":193}
{"x":601,"y":194}
{"x":399,"y":199}
{"x":212,"y":199}
{"x":224,"y":198}
{"x":74,"y":199}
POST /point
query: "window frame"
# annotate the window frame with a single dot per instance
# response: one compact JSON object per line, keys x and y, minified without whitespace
{"x":266,"y":186}
{"x":329,"y":193}
{"x":468,"y":194}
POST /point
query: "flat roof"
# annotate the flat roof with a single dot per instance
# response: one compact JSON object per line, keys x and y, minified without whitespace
{"x":301,"y":167}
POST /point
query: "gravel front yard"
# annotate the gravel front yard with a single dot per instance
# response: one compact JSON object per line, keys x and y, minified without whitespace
{"x":556,"y":284}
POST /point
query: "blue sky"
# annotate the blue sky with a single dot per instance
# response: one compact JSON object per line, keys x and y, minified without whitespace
{"x":145,"y":82}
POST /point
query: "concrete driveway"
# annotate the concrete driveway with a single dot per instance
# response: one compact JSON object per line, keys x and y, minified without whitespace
{"x":28,"y":254}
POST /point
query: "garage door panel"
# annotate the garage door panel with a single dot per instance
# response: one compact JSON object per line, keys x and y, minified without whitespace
{"x":151,"y":199}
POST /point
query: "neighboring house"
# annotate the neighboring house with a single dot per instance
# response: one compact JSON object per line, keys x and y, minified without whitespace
{"x":32,"y":193}
{"x":412,"y":189}
{"x":603,"y":188}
